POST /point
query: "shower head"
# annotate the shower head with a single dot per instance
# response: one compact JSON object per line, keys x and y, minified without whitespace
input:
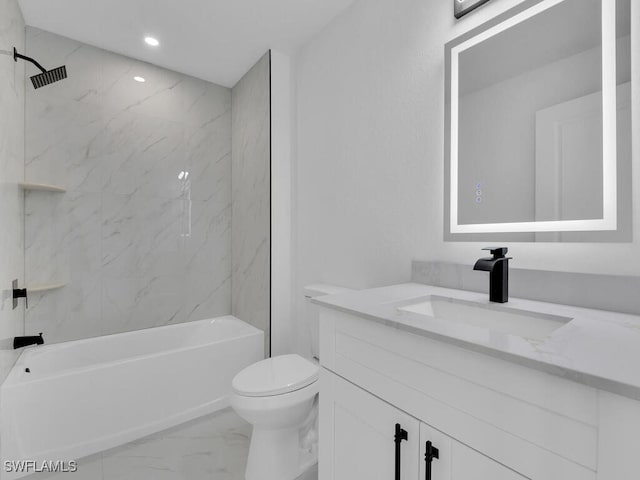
{"x":47,"y":76}
{"x":50,"y":76}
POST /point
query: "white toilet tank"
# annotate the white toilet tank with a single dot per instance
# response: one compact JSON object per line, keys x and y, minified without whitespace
{"x":313,"y":315}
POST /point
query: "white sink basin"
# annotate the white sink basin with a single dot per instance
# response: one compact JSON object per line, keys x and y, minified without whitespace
{"x":499,"y":318}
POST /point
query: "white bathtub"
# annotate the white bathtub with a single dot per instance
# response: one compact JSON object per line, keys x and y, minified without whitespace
{"x":86,"y":396}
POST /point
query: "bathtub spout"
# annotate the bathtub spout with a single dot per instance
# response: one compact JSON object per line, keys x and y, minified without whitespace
{"x":19,"y":342}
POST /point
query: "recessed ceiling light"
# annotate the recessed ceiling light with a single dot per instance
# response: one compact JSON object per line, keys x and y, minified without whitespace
{"x":151,"y":41}
{"x":139,"y":79}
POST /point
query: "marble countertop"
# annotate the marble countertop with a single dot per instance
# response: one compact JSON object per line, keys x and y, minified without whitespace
{"x":596,"y":348}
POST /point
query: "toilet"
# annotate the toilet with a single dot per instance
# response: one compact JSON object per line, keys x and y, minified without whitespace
{"x":279,"y":397}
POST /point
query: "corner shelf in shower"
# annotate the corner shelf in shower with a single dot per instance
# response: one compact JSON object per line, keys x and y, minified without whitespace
{"x":42,"y":187}
{"x":45,"y":288}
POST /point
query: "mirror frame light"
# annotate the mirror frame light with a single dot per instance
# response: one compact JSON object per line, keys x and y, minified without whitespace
{"x":609,"y":159}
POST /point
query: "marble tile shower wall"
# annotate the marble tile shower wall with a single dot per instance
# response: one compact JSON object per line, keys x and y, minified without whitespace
{"x":11,"y":173}
{"x":251,"y":236}
{"x":142,"y":237}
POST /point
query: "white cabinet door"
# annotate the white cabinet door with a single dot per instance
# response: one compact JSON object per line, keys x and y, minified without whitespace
{"x":456,"y":461}
{"x":357,"y":433}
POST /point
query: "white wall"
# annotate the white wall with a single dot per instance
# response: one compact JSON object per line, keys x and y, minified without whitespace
{"x":369,"y":158}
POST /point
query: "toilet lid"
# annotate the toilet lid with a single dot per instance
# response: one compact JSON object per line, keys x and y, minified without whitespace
{"x":275,"y":376}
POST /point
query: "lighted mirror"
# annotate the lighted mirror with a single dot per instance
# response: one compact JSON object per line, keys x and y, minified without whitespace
{"x":538,"y":138}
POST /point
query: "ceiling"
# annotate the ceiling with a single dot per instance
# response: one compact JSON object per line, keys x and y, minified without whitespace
{"x":216,"y":40}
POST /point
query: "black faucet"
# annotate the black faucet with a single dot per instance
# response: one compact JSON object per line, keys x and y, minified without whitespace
{"x":498,"y":268}
{"x":19,"y":342}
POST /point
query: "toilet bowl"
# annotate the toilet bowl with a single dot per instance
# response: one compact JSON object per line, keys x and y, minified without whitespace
{"x":278,"y":396}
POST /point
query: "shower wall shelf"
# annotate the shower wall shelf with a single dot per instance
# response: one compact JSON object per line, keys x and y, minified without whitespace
{"x":42,"y":187}
{"x":45,"y":288}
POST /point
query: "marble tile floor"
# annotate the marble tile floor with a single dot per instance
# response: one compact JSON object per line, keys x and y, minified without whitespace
{"x":214,"y":447}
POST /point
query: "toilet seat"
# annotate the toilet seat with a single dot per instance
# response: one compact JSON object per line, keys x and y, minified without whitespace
{"x":275,"y":376}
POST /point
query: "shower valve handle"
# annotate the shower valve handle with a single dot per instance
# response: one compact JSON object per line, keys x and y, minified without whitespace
{"x":19,"y":293}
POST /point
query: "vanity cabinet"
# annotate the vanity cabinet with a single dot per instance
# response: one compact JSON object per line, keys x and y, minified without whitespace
{"x":490,"y":418}
{"x":363,"y":428}
{"x":456,"y":461}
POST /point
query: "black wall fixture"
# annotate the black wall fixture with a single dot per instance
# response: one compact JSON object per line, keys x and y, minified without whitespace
{"x":47,"y":77}
{"x":19,"y":293}
{"x":462,"y":7}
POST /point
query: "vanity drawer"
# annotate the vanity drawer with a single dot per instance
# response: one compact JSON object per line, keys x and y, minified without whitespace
{"x":540,"y":425}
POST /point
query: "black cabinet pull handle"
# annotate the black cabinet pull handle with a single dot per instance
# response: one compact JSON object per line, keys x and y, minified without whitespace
{"x":398,"y":438}
{"x":431,"y":452}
